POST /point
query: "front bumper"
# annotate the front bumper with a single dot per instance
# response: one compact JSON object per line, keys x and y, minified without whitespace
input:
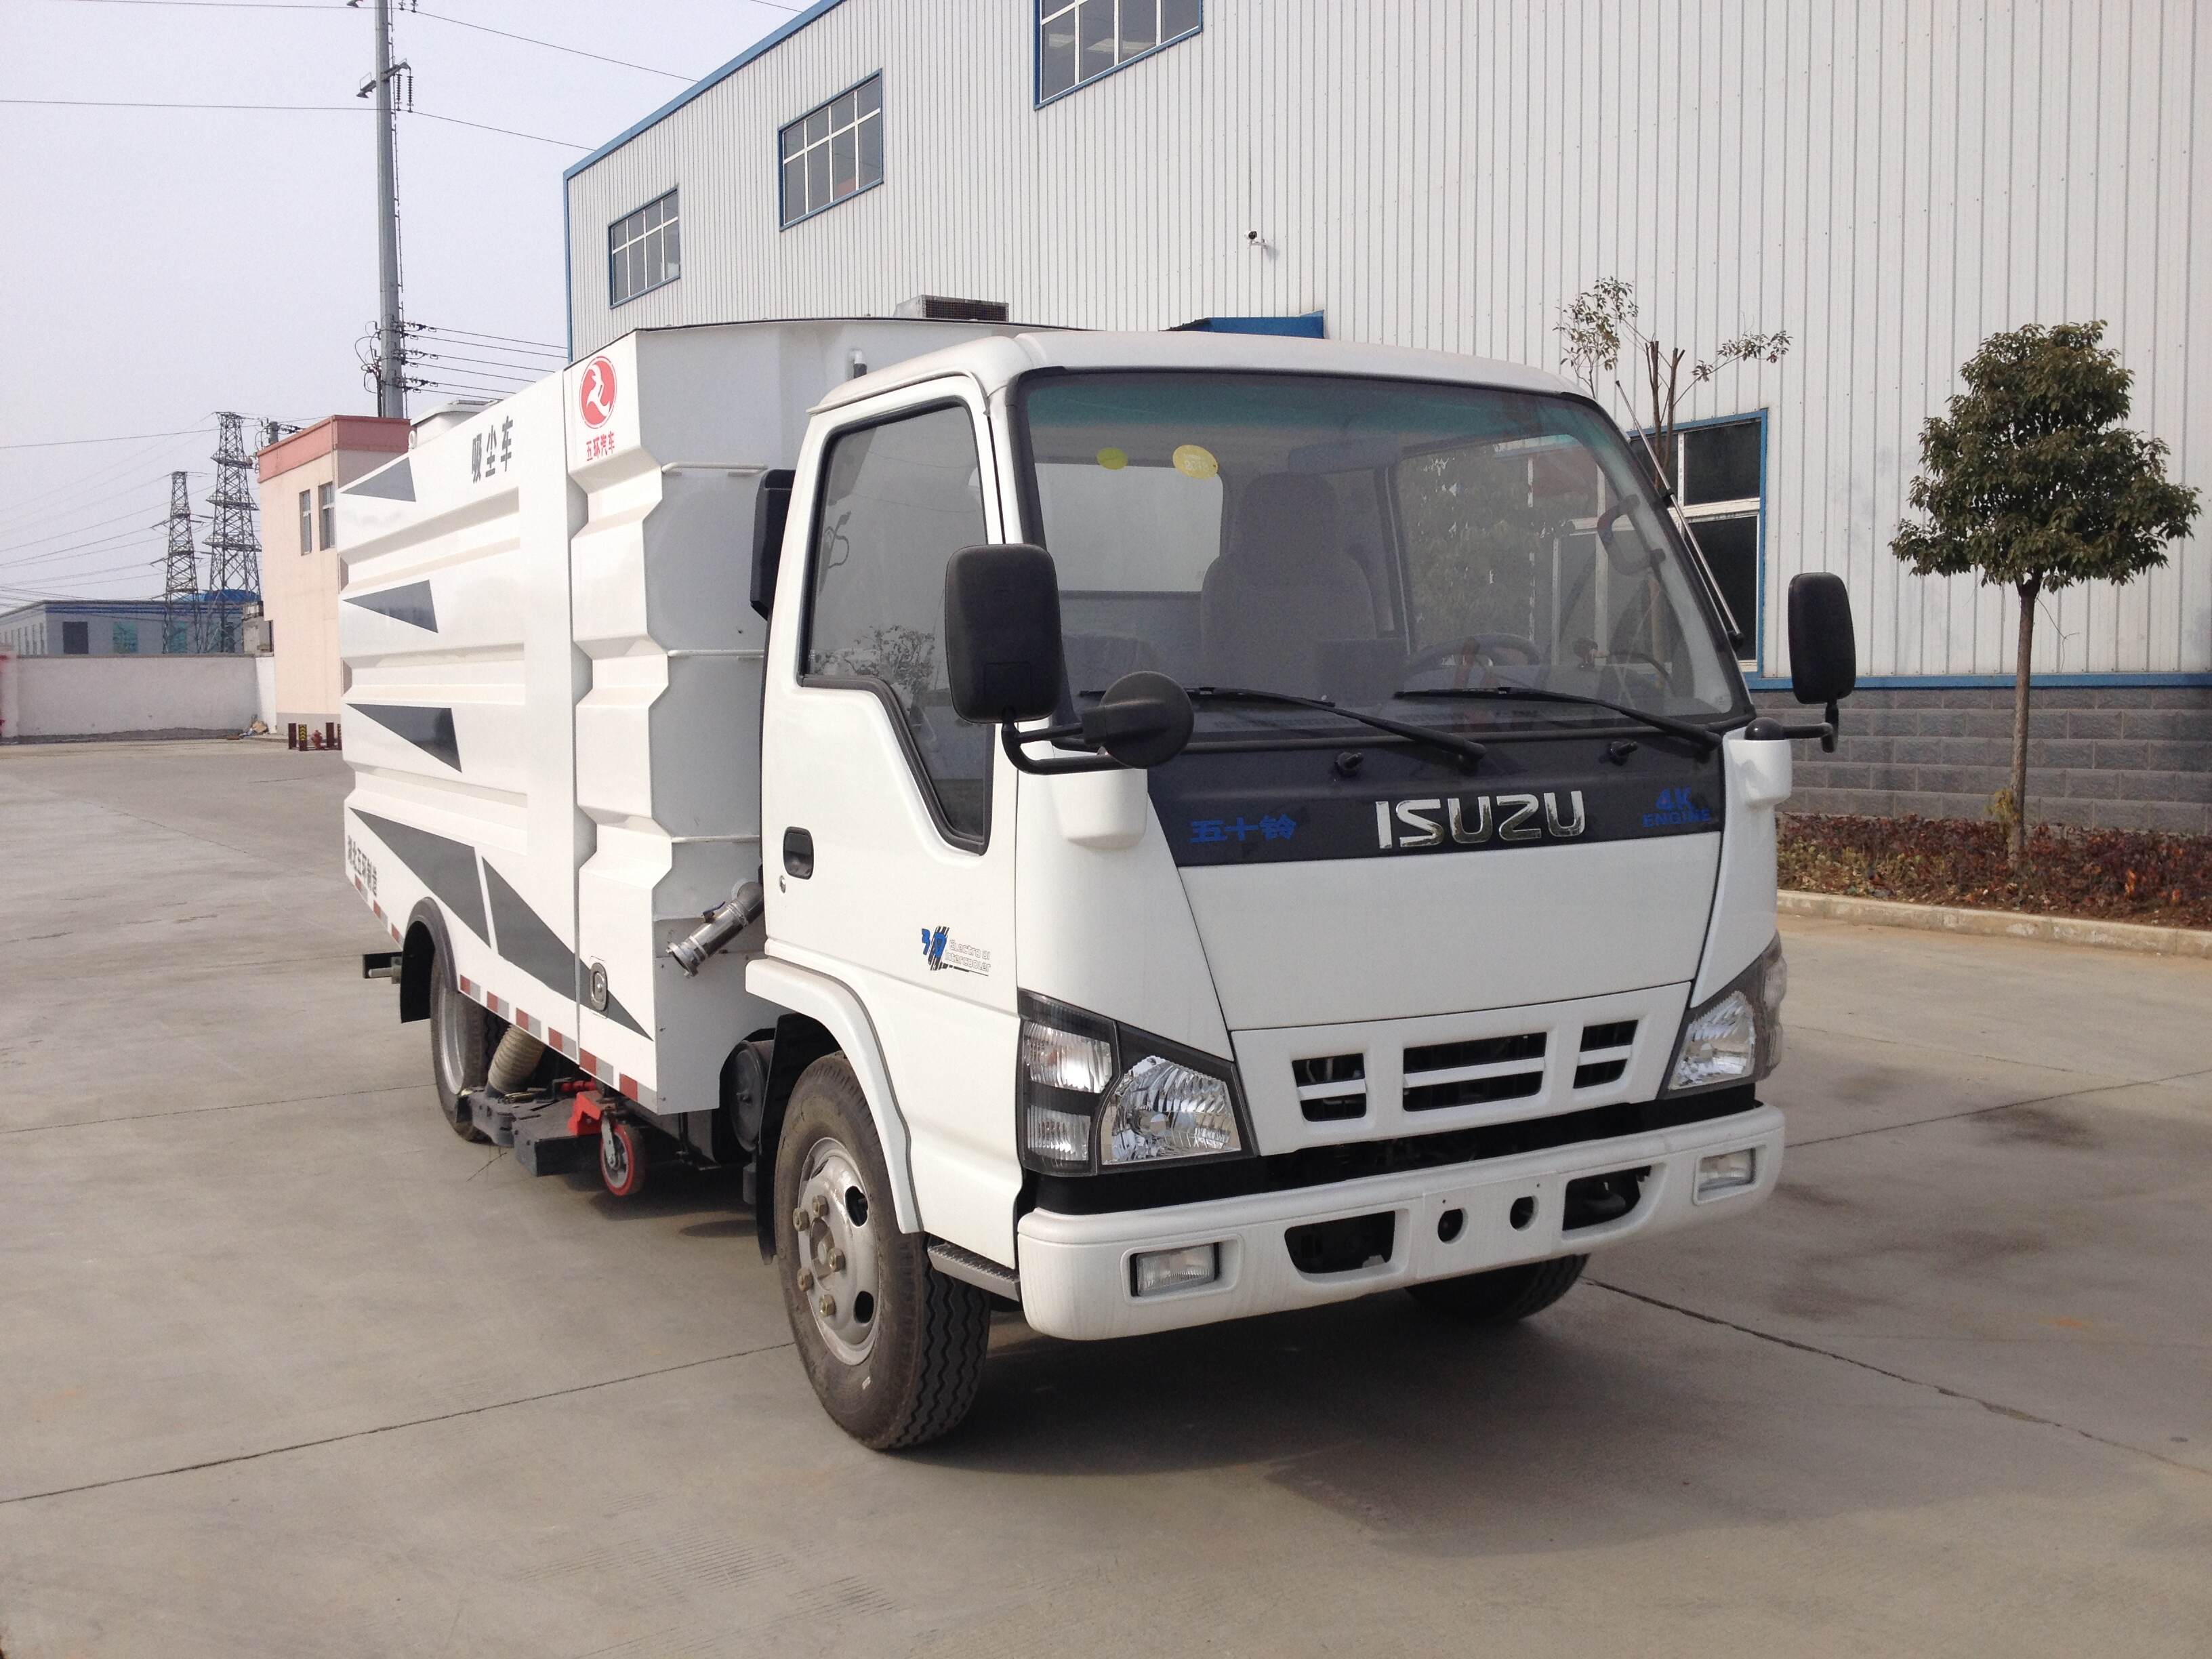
{"x":1076,"y":1274}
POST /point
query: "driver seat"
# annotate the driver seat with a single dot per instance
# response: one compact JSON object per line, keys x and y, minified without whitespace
{"x":1282,"y":585}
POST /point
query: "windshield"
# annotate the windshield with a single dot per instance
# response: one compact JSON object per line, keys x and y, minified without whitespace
{"x":1400,"y":547}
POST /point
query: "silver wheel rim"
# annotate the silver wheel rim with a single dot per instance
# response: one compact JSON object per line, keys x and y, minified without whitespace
{"x":450,"y":1061}
{"x":835,"y":1254}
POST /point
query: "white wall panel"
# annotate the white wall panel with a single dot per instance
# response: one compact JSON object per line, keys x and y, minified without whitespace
{"x":1891,"y":181}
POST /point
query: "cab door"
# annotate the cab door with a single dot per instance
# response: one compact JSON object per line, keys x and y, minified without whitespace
{"x":887,"y":822}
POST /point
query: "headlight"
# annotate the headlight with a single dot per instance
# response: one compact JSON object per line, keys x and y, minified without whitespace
{"x":1092,"y":1094}
{"x":1162,"y":1109}
{"x":1736,"y":1037}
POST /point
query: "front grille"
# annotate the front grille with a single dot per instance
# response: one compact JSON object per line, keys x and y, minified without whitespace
{"x":1614,"y":1034}
{"x":1331,"y":1087}
{"x":1474,"y":1072}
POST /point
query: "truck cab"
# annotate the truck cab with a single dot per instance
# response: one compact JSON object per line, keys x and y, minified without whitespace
{"x":1252,"y":823}
{"x":1162,"y":828}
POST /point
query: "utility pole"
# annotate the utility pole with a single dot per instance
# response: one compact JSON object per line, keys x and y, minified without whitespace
{"x":233,"y":543}
{"x":180,"y":579}
{"x":391,"y":361}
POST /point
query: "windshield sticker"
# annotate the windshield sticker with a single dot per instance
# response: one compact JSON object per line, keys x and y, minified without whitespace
{"x":941,"y":951}
{"x":1113,"y":459}
{"x":1195,"y":461}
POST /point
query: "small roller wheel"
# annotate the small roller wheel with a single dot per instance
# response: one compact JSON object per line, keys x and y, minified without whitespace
{"x":621,"y":1157}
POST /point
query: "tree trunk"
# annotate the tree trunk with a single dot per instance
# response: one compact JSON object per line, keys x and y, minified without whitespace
{"x":2024,"y":657}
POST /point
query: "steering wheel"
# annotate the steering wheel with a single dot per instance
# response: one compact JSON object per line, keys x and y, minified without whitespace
{"x":1476,"y":651}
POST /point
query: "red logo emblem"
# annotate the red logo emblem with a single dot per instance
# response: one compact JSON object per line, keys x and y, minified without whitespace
{"x":597,"y":393}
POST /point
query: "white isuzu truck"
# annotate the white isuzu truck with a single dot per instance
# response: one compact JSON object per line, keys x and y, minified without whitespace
{"x":1148,"y":829}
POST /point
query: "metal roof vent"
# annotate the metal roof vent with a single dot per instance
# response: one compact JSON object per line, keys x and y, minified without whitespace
{"x":939,"y":308}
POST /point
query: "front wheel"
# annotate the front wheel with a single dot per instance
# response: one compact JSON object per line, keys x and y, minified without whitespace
{"x":894,"y":1348}
{"x":459,"y":1047}
{"x":1503,"y":1294}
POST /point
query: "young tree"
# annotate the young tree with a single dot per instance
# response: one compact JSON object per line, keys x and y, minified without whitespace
{"x":2032,"y":481}
{"x":1599,"y":324}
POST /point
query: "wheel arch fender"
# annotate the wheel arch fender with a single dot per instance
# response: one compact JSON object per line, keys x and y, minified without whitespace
{"x":426,"y":943}
{"x":824,"y":1016}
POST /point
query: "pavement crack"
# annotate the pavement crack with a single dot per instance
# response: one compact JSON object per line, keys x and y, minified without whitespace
{"x":200,"y":1111}
{"x":2003,"y":1106}
{"x":391,"y":1428}
{"x":1895,"y":1377}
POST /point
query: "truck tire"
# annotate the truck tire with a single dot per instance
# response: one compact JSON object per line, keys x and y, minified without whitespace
{"x":1503,"y":1294}
{"x":460,"y":1045}
{"x":894,"y":1348}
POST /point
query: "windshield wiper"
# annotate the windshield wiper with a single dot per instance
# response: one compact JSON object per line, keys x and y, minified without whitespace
{"x":1466,"y":748}
{"x":1700,"y":735}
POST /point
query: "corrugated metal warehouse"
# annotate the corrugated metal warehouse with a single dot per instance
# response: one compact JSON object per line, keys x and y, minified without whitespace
{"x":1889,"y":182}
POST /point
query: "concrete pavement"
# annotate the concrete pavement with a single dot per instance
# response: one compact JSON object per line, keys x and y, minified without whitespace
{"x":289,"y":1370}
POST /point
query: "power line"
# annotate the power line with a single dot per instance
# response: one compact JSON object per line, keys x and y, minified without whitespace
{"x":119,"y":438}
{"x":74,"y":530}
{"x":284,"y":109}
{"x":550,"y":45}
{"x":505,"y":339}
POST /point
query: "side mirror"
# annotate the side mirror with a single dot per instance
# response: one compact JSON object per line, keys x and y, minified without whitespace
{"x":1143,"y":721}
{"x":771,"y":508}
{"x":1002,"y":654}
{"x":1824,"y":653}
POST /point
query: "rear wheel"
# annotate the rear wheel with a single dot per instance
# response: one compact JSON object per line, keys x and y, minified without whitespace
{"x":1503,"y":1294}
{"x":459,"y":1047}
{"x":894,"y":1348}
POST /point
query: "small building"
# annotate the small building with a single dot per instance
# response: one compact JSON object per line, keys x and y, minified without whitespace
{"x":109,"y":628}
{"x":300,"y":476}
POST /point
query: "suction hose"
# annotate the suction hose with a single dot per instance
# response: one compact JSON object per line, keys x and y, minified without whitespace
{"x":512,"y":1062}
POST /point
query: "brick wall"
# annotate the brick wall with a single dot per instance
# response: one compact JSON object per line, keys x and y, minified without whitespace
{"x":2133,"y":758}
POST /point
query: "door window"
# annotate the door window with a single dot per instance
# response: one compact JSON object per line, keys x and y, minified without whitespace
{"x":898,"y":499}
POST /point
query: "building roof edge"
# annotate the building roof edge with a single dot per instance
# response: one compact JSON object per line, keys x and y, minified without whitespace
{"x":766,"y":44}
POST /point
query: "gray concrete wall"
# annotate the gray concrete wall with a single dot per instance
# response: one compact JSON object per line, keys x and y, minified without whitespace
{"x":2136,"y":757}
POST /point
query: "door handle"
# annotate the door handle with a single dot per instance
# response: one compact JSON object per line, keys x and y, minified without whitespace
{"x":799,"y":853}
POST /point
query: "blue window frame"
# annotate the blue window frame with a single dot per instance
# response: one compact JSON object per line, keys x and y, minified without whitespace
{"x":1079,"y":41}
{"x":833,"y":152}
{"x":645,"y":250}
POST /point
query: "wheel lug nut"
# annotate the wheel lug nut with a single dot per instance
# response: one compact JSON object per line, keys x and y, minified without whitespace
{"x":829,"y":1306}
{"x":800,"y":1221}
{"x":806,"y":1279}
{"x":836,"y":1261}
{"x":821,"y":1205}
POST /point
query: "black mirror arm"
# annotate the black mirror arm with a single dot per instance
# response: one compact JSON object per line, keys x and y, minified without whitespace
{"x":1012,"y":738}
{"x":1767,"y":729}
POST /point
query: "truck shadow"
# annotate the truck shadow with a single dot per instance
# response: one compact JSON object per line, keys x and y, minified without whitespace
{"x":1576,"y":1431}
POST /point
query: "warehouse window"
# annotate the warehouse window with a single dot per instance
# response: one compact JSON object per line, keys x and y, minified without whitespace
{"x":327,"y":513}
{"x":1720,"y":479}
{"x":833,"y":151}
{"x":643,"y":250}
{"x":77,"y":638}
{"x":124,"y":639}
{"x":1079,"y":40}
{"x":307,"y":522}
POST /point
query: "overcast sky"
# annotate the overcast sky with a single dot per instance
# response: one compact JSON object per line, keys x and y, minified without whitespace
{"x":165,"y":263}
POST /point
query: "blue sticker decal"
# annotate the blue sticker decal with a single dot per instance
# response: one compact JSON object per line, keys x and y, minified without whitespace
{"x":1675,"y":807}
{"x":1271,"y":826}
